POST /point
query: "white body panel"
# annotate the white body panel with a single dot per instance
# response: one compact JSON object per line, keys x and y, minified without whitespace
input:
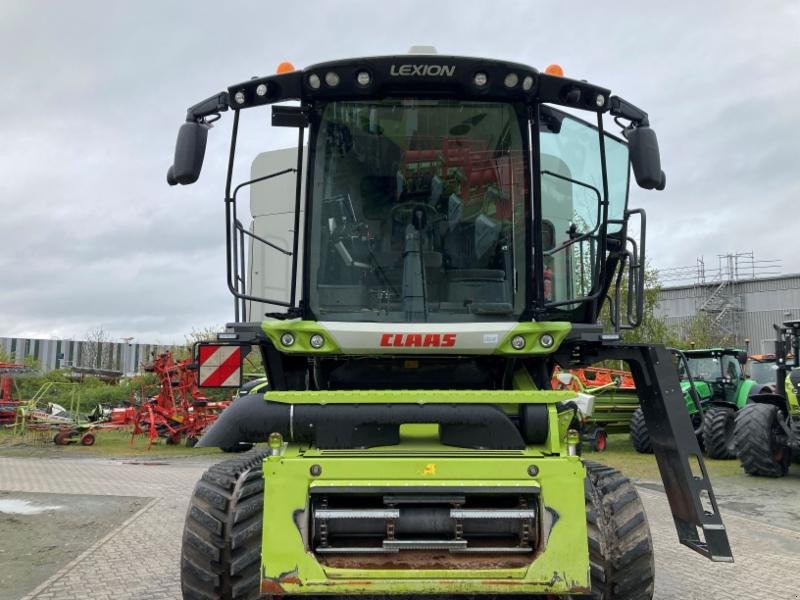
{"x":272,"y":205}
{"x":410,"y":338}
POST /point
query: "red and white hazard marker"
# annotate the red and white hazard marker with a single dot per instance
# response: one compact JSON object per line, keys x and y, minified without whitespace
{"x":220,"y":365}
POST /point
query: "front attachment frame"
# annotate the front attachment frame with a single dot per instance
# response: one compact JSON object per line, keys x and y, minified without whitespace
{"x":680,"y":460}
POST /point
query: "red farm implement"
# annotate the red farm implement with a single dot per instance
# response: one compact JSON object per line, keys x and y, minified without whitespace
{"x":179,"y":410}
{"x":8,"y":402}
{"x":615,"y":400}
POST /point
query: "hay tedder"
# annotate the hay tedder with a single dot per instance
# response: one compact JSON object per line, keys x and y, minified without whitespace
{"x":179,"y":410}
{"x":445,"y":239}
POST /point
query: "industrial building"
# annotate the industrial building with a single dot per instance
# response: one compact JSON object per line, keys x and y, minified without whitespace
{"x":123,"y":357}
{"x":741,"y":308}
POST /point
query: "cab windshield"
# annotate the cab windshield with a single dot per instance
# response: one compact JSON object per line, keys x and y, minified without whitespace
{"x":708,"y":368}
{"x":419,"y":211}
{"x":572,"y":189}
{"x":764,"y":372}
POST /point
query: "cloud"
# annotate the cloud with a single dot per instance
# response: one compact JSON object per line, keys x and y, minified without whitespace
{"x":94,"y":93}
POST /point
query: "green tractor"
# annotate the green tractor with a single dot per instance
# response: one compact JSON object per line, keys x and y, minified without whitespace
{"x":448,"y":235}
{"x":768,"y":429}
{"x":714,"y":388}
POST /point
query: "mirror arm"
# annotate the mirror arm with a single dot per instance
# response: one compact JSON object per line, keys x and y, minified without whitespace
{"x":626,"y":110}
{"x":208,"y":107}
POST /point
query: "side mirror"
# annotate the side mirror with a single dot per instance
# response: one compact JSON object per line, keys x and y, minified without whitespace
{"x":645,"y":158}
{"x":190,"y":149}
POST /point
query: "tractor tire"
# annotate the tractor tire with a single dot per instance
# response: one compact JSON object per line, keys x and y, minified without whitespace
{"x":718,"y":427}
{"x":756,"y":446}
{"x":620,"y":547}
{"x":639,"y":434}
{"x":221,"y":550}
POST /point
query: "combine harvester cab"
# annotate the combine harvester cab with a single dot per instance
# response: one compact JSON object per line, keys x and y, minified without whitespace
{"x":446,"y":238}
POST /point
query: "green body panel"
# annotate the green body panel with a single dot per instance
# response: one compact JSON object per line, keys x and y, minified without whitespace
{"x":302,"y":332}
{"x":532,"y":332}
{"x":743,"y":392}
{"x":561,"y":565}
{"x":791,"y":397}
{"x":499,"y":397}
{"x":703,"y":390}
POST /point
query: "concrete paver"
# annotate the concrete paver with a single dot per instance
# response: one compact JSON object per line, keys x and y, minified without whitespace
{"x":139,"y":559}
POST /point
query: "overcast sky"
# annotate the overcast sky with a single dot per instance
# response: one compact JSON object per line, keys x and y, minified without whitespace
{"x":93,"y":94}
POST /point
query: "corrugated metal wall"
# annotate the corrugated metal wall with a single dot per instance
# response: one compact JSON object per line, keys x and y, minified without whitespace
{"x":57,"y":354}
{"x":764,"y":302}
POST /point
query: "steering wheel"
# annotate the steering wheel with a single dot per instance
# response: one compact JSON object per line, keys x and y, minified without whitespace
{"x":401,"y":213}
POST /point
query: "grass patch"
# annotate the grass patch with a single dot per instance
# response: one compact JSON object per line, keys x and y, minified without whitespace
{"x":108,"y":444}
{"x":642,"y":467}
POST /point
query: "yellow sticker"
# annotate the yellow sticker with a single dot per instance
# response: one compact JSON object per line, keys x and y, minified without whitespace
{"x":430,"y":469}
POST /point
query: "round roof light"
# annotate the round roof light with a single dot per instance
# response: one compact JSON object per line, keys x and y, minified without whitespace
{"x":363,"y":78}
{"x":313,"y":81}
{"x":332,"y":79}
{"x":527,"y":83}
{"x":511,"y":80}
{"x":239,"y":97}
{"x":480,"y":79}
{"x":261,"y":90}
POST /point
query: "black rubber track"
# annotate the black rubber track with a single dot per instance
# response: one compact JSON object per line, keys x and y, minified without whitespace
{"x":221,"y":551}
{"x":620,"y":546}
{"x":639,"y":434}
{"x":755,"y":445}
{"x":718,"y":432}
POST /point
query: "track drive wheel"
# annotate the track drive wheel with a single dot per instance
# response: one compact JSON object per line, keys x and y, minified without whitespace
{"x":221,"y":550}
{"x":620,"y":546}
{"x":718,"y":426}
{"x":756,"y":434}
{"x":639,"y":434}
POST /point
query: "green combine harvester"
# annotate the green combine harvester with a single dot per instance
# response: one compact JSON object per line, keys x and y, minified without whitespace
{"x":714,"y":388}
{"x":412,"y":277}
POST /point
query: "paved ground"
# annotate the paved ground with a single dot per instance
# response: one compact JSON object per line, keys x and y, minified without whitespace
{"x":138,"y":559}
